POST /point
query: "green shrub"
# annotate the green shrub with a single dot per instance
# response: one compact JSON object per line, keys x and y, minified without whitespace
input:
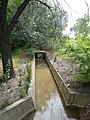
{"x":28,"y":77}
{"x":21,"y":93}
{"x":79,"y":51}
{"x":28,"y":68}
{"x":20,"y":72}
{"x":3,"y":78}
{"x":19,"y":83}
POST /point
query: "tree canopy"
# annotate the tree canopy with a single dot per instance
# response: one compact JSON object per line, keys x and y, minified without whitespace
{"x":36,"y":29}
{"x":82,"y":26}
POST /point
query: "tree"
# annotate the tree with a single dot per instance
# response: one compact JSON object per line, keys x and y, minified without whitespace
{"x":5,"y":31}
{"x":37,"y":27}
{"x":82,"y":26}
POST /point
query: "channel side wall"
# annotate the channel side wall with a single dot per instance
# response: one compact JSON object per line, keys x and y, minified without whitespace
{"x":70,"y":98}
{"x":33,"y":72}
{"x":17,"y":110}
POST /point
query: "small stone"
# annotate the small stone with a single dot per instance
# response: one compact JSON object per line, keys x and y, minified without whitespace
{"x":68,"y":85}
{"x":9,"y":90}
{"x":4,"y":84}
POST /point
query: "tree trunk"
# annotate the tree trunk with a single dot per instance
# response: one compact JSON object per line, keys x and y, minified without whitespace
{"x":6,"y":50}
{"x":7,"y":57}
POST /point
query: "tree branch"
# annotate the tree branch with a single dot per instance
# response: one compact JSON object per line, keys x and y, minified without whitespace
{"x":17,"y":15}
{"x":87,"y":14}
{"x":45,"y":4}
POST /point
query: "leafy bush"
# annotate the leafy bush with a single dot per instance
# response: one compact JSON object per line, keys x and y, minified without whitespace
{"x":3,"y":78}
{"x":19,"y":83}
{"x":28,"y":68}
{"x":22,"y":93}
{"x":79,"y":51}
{"x":28,"y":77}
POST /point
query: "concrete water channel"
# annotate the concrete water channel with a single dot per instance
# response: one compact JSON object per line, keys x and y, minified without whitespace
{"x":49,"y":102}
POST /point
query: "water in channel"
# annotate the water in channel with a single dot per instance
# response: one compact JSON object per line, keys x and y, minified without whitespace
{"x":49,"y":102}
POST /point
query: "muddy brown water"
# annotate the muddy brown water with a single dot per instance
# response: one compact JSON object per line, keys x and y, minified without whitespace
{"x":49,"y":102}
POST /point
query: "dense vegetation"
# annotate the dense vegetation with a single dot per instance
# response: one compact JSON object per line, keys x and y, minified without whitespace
{"x":41,"y":27}
{"x":78,"y":49}
{"x":38,"y":27}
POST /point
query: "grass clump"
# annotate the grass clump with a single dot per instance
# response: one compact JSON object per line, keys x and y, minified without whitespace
{"x":22,"y":93}
{"x":5,"y":104}
{"x":19,"y":83}
{"x":28,"y":77}
{"x":26,"y":87}
{"x":3,"y":78}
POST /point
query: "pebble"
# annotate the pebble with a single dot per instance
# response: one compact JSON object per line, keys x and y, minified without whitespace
{"x":68,"y":85}
{"x":9,"y":90}
{"x":4,"y":84}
